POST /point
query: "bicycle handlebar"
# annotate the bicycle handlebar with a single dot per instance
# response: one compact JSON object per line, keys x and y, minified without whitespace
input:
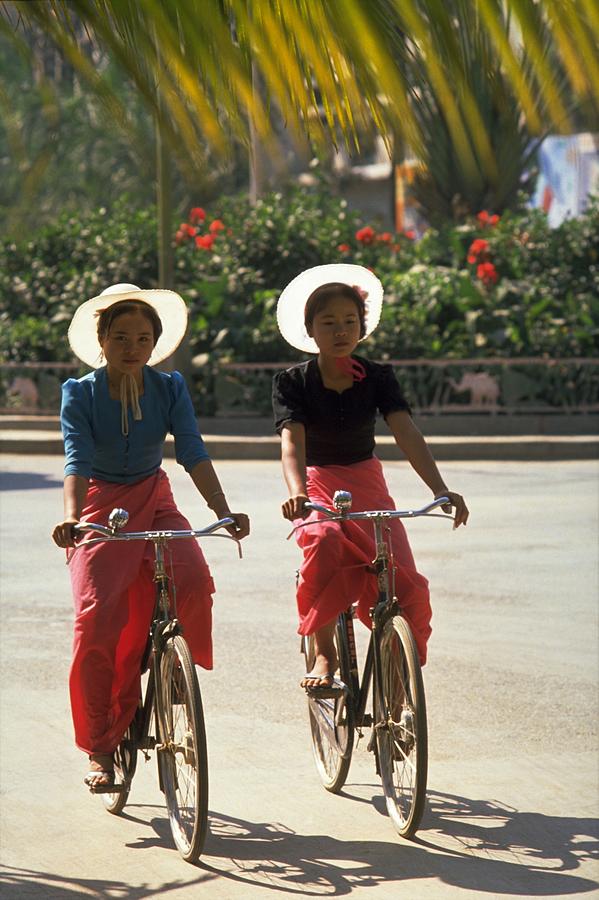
{"x":383,"y":513}
{"x":109,"y":534}
{"x":340,"y":515}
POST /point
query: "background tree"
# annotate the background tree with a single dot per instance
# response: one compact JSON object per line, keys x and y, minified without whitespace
{"x":62,"y":149}
{"x":195,"y":61}
{"x":469,"y":85}
{"x":488,"y":81}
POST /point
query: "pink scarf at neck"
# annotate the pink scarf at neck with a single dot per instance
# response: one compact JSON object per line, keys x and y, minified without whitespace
{"x":351,"y":367}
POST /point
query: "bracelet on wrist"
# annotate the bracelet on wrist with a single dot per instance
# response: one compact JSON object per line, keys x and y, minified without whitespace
{"x":218,"y":493}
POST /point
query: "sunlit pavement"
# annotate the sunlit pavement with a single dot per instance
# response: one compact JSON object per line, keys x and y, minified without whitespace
{"x":511,"y":688}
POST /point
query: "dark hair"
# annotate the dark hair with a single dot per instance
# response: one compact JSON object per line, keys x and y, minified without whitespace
{"x":319,"y":298}
{"x":106,"y":317}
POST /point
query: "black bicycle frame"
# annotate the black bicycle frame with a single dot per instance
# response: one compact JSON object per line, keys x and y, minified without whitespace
{"x":162,"y":628}
{"x":385,"y":608}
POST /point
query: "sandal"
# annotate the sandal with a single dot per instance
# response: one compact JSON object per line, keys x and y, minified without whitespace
{"x":107,"y":785}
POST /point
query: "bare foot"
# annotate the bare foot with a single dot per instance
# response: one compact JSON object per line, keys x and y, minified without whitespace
{"x":325,"y":662}
{"x":323,"y":671}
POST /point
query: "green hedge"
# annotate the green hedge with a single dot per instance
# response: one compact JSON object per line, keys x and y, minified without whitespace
{"x":528,"y":291}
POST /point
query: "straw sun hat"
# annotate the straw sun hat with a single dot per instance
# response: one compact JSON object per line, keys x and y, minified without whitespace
{"x":171,"y":308}
{"x":292,"y":302}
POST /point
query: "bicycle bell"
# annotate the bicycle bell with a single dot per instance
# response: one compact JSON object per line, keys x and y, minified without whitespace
{"x":117,"y":519}
{"x":342,"y":501}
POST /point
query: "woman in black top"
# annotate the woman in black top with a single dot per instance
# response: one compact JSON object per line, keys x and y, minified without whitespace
{"x":325,"y":411}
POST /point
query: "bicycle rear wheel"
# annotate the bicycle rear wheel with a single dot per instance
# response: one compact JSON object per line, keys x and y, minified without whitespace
{"x":331,"y":720}
{"x":182,"y":755}
{"x":125,"y":762}
{"x":401,"y":729}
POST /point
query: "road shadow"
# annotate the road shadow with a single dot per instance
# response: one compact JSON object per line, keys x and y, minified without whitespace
{"x":27,"y":481}
{"x":488,"y":826}
{"x":30,"y":884}
{"x":470,"y":838}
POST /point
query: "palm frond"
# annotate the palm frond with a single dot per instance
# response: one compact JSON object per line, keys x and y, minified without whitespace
{"x":426,"y":72}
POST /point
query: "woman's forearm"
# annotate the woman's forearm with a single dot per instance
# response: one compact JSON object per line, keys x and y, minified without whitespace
{"x":410,"y":440}
{"x":293,"y":457}
{"x":421,"y":460}
{"x":75,"y":493}
{"x":206,"y":481}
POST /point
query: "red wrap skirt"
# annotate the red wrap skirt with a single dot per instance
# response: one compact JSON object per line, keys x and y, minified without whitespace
{"x":113,"y":593}
{"x":336,"y":569}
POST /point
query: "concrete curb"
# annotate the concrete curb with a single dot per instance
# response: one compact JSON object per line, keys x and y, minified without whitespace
{"x":255,"y":447}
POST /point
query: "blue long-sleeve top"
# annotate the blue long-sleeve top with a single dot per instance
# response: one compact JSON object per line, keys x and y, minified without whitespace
{"x":95,"y":446}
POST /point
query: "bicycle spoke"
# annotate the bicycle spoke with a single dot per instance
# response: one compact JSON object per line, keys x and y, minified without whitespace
{"x":331,"y":723}
{"x":125,"y":760}
{"x":401,"y":728}
{"x":182,"y":756}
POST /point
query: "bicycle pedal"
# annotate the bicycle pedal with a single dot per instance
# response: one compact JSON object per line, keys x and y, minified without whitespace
{"x":334,"y":692}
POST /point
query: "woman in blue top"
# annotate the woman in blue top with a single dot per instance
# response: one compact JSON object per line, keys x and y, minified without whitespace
{"x":114,"y":423}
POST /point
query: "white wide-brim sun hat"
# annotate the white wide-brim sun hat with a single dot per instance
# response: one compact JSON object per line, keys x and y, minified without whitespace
{"x":171,"y":309}
{"x":292,"y":302}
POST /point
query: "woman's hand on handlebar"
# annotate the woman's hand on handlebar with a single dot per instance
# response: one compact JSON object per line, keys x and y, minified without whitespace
{"x":294,"y":507}
{"x":62,"y":534}
{"x":241,"y":528}
{"x":457,"y":502}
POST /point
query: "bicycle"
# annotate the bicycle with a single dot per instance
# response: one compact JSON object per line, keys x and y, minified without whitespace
{"x":169,"y":718}
{"x":399,"y":737}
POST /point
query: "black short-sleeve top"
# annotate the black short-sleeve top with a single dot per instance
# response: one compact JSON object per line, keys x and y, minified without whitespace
{"x":339,"y":426}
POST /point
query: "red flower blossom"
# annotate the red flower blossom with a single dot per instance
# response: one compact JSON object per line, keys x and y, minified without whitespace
{"x":188,"y":230}
{"x":180,"y":236}
{"x":343,"y":248}
{"x":485,"y":219}
{"x":411,"y":235}
{"x":216,"y":226}
{"x":478,"y":248}
{"x":385,"y":237}
{"x":487,"y":273}
{"x":197,"y":214}
{"x":366,"y":235}
{"x":205,"y":241}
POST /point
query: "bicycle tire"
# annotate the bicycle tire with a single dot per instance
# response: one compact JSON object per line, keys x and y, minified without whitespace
{"x":182,"y":753}
{"x":125,"y":763}
{"x":331,"y":720}
{"x":402,"y":747}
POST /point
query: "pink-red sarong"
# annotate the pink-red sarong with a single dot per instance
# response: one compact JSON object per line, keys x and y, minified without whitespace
{"x":113,"y":593}
{"x":336,"y":569}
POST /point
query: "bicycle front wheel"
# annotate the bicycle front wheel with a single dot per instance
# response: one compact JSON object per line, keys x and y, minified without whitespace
{"x":182,"y":755}
{"x":332,"y":720}
{"x":401,"y":730}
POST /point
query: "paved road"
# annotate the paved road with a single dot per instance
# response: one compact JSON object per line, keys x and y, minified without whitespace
{"x":512,"y":705}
